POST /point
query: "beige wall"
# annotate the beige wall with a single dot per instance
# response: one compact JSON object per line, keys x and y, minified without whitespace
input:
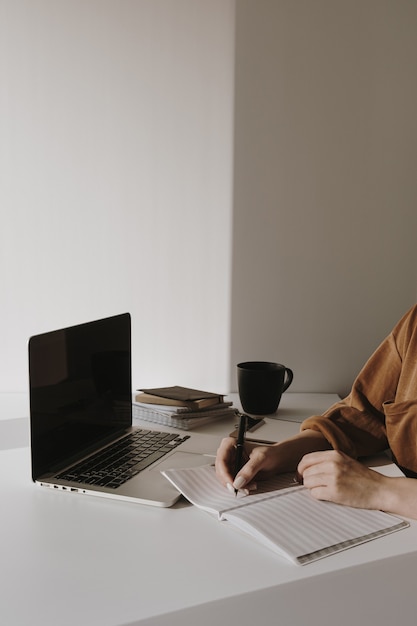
{"x":116,"y":121}
{"x":119,"y":176}
{"x":325,"y":189}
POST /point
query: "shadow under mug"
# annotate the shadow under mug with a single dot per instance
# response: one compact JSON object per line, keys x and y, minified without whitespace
{"x":261,"y":385}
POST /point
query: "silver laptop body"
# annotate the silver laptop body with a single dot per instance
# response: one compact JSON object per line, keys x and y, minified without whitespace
{"x":81,"y":407}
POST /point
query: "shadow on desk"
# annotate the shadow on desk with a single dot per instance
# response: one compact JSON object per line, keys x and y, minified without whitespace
{"x":321,"y":600}
{"x":290,"y":415}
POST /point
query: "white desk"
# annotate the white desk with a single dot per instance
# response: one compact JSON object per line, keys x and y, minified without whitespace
{"x":70,"y":559}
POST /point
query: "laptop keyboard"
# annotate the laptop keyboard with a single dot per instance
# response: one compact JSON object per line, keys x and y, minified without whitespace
{"x":125,"y":458}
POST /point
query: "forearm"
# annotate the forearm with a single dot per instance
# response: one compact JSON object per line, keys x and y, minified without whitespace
{"x":291,"y":451}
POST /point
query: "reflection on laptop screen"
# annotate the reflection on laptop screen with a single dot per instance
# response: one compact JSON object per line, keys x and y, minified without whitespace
{"x":80,"y":389}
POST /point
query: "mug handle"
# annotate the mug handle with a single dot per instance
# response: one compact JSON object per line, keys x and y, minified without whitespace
{"x":290,"y":376}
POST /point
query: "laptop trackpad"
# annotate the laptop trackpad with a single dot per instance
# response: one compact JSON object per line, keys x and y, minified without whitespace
{"x":182,"y":460}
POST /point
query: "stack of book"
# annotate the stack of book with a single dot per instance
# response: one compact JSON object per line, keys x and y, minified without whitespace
{"x":180,"y":407}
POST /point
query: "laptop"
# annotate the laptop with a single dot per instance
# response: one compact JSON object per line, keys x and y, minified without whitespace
{"x":82,"y":437}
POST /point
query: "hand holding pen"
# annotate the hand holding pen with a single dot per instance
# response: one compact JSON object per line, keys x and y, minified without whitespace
{"x":239,"y":466}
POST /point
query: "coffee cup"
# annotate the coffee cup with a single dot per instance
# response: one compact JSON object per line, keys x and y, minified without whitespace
{"x":261,"y":385}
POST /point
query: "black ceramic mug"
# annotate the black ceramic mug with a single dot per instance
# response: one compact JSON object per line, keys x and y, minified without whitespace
{"x":261,"y":385}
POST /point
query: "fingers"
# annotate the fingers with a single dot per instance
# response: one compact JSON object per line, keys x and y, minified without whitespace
{"x":334,"y":476}
{"x":225,"y":460}
{"x":314,"y":459}
{"x":245,"y":477}
{"x":319,"y":472}
{"x":256,"y":463}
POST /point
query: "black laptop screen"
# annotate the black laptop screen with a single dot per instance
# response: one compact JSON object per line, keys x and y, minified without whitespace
{"x":80,"y":390}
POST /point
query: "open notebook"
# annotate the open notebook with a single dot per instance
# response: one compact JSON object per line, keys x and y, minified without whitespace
{"x":284,"y":517}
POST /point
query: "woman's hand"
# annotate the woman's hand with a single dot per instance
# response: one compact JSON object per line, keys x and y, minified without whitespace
{"x":328,"y":474}
{"x":260,"y":461}
{"x":334,"y":476}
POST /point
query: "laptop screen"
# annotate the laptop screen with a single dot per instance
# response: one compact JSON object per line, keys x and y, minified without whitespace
{"x":80,"y":390}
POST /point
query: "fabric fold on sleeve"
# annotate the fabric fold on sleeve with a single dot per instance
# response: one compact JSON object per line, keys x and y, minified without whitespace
{"x":356,"y":425}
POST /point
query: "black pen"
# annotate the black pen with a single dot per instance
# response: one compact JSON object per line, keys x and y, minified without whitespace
{"x":239,"y":444}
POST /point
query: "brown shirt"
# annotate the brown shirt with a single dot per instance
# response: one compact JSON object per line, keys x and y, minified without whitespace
{"x":381,"y":409}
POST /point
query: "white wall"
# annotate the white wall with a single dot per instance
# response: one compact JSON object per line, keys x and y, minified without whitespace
{"x":118,"y":180}
{"x":116,"y":125}
{"x":325,"y":203}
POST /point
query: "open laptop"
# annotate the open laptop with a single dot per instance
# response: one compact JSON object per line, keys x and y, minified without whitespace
{"x":81,"y":418}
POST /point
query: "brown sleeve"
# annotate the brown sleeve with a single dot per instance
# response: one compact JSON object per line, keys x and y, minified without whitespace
{"x":356,"y":425}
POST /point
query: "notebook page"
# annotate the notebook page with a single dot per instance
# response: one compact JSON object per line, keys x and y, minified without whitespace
{"x":284,"y":517}
{"x":305,"y":529}
{"x":201,"y":487}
